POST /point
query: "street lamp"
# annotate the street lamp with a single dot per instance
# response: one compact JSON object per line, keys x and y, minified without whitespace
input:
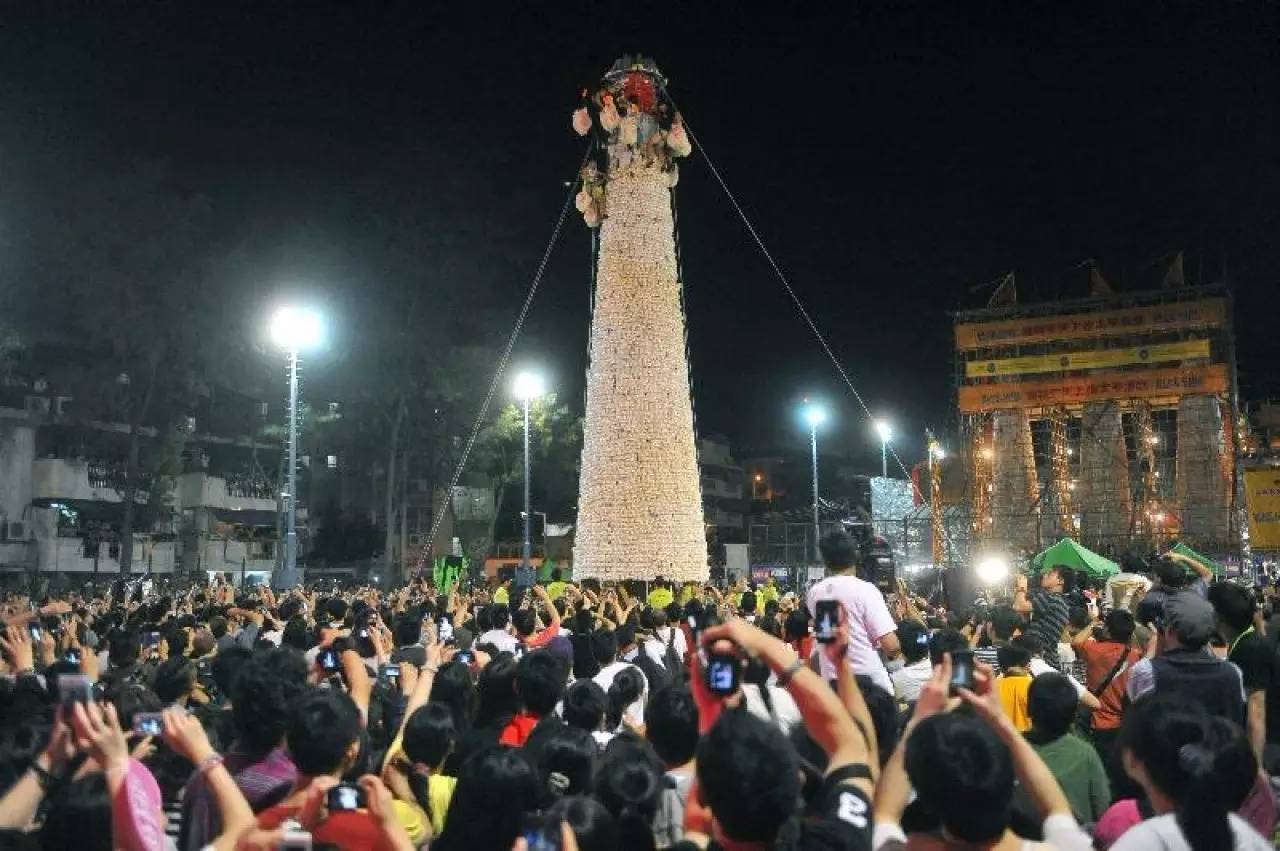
{"x":293,"y":329}
{"x":528,"y":386}
{"x":814,"y":415}
{"x":885,"y":431}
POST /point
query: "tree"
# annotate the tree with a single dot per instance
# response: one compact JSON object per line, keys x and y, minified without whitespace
{"x":117,"y":306}
{"x":555,"y":443}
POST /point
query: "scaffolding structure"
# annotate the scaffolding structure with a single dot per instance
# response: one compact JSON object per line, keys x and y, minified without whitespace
{"x":1109,"y":419}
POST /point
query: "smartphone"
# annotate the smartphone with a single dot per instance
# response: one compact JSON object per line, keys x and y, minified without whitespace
{"x":466,"y":657}
{"x":826,"y":619}
{"x":724,"y":671}
{"x":961,"y":670}
{"x":148,"y":723}
{"x":72,"y":655}
{"x":295,"y":840}
{"x":74,"y":688}
{"x":329,"y":660}
{"x":150,"y":639}
{"x":37,"y":633}
{"x":391,"y":673}
{"x":540,"y":834}
{"x":344,"y":797}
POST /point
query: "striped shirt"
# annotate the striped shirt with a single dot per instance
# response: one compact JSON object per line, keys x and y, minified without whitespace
{"x":1049,"y":615}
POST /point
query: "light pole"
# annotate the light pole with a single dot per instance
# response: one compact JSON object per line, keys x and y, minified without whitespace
{"x":885,"y":431}
{"x":528,"y":386}
{"x":815,"y":416}
{"x":293,"y":329}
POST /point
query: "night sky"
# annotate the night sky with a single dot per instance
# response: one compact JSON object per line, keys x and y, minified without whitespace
{"x":889,"y":163}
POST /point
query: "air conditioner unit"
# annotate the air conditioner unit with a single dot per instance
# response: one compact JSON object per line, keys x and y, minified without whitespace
{"x":62,"y":406}
{"x":15,"y":531}
{"x":37,"y":405}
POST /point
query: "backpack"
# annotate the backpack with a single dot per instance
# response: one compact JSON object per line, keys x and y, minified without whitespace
{"x":671,"y":659}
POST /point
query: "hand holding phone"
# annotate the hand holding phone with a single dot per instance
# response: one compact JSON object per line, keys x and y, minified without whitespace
{"x":962,"y":671}
{"x":723,"y":673}
{"x":148,"y":723}
{"x":826,"y":619}
{"x":345,"y":797}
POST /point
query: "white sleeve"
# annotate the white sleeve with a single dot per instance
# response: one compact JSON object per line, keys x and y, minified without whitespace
{"x":1063,"y":833}
{"x":885,"y":832}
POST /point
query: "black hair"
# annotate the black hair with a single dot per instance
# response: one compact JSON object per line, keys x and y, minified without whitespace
{"x":79,"y":816}
{"x":604,"y":646}
{"x":408,"y":629}
{"x":630,"y":783}
{"x":429,"y":735}
{"x":1005,"y":621}
{"x":175,"y":642}
{"x":1170,"y":573}
{"x":1120,"y":625}
{"x":585,"y":705}
{"x":747,"y":603}
{"x":1077,"y":618}
{"x":913,"y":638}
{"x":218,"y":626}
{"x":524,"y":622}
{"x":322,"y":724}
{"x":671,"y":720}
{"x":796,"y":627}
{"x":744,"y":759}
{"x":498,"y":701}
{"x":1204,"y":764}
{"x":124,"y":647}
{"x":566,"y":763}
{"x":1051,"y":703}
{"x":1012,"y":656}
{"x":627,"y":687}
{"x":227,"y":665}
{"x":499,"y":616}
{"x":131,"y":699}
{"x":453,"y":688}
{"x":839,"y":551}
{"x":1233,"y":604}
{"x":297,"y":634}
{"x":584,"y":622}
{"x":963,"y":774}
{"x":336,"y":609}
{"x":540,"y":681}
{"x":174,"y":678}
{"x":260,"y":695}
{"x":496,"y":787}
{"x":1029,"y":642}
{"x":593,"y":825}
{"x":945,"y":641}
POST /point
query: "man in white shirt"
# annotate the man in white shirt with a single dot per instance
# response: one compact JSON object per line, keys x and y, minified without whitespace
{"x":913,"y":637}
{"x":500,"y":636}
{"x":656,"y":646}
{"x":604,"y":646}
{"x":865,"y":612}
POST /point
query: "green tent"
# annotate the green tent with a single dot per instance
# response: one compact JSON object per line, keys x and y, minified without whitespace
{"x":1068,"y":553}
{"x":1184,"y":550}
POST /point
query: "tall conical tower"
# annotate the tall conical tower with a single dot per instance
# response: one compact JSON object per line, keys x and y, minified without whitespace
{"x":639,"y":500}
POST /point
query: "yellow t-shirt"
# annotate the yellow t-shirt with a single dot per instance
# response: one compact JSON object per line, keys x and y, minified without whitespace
{"x":768,"y":594}
{"x":555,"y":590}
{"x":411,"y":819}
{"x":439,"y":793}
{"x":660,"y":598}
{"x":500,"y":597}
{"x":1013,"y":697}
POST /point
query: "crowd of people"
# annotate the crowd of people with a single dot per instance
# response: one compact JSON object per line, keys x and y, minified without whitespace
{"x":581,"y":716}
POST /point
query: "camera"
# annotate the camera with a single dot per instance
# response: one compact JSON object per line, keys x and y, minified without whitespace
{"x":329,"y":660}
{"x":723,"y":674}
{"x":148,"y":723}
{"x":345,"y":797}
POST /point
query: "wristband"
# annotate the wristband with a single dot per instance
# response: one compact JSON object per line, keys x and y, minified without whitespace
{"x":784,"y":678}
{"x":208,"y":763}
{"x":43,"y":777}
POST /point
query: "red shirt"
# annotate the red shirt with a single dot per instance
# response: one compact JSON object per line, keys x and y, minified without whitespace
{"x":516,"y":733}
{"x":350,"y":829}
{"x":541,"y":638}
{"x":1099,"y":658}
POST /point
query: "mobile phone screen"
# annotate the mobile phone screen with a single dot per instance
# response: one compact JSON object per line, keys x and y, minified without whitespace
{"x":961,"y":670}
{"x":826,"y":620}
{"x":329,"y":660}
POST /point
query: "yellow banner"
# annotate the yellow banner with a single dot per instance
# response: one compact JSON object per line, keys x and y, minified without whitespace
{"x":1095,"y":359}
{"x":1206,"y":313}
{"x":1262,"y":496}
{"x":1099,"y":387}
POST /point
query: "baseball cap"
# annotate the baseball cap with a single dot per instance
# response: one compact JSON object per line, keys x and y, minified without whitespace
{"x":1190,"y":617}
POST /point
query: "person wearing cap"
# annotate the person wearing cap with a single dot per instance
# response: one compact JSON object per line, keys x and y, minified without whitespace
{"x":1183,"y":666}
